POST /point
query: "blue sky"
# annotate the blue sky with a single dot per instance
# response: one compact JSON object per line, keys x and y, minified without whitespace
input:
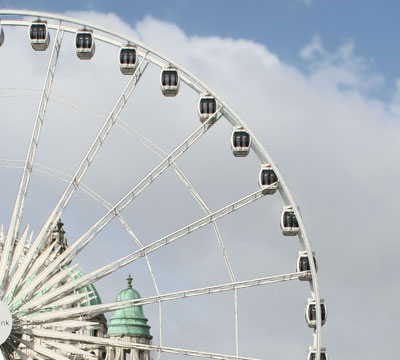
{"x":283,"y":26}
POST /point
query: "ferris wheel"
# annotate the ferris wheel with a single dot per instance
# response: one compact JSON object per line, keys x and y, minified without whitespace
{"x":141,"y":174}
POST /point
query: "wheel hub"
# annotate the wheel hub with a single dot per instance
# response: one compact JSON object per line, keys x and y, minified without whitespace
{"x":5,"y":322}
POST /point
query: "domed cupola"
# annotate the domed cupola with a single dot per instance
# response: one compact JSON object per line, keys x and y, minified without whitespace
{"x":130,"y":321}
{"x":129,"y":325}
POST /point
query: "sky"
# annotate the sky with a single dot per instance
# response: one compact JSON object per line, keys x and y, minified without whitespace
{"x":317,"y":82}
{"x":283,"y":26}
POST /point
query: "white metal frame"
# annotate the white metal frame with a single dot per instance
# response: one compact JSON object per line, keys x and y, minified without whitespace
{"x":11,"y":281}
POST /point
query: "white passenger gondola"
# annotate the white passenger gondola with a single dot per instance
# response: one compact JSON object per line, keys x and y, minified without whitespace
{"x":240,"y":141}
{"x":128,"y":59}
{"x":303,"y":266}
{"x":207,"y":107}
{"x":84,"y":44}
{"x":311,"y":313}
{"x":267,"y":180}
{"x":289,"y":223}
{"x":39,"y":35}
{"x":312,"y":354}
{"x":169,"y":80}
{"x":1,"y":35}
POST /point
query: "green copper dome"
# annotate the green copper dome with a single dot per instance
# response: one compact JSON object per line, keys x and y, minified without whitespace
{"x":129,"y":321}
{"x":93,"y":296}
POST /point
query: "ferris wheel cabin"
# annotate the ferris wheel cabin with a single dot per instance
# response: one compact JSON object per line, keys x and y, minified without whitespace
{"x":39,"y":35}
{"x":311,"y":313}
{"x":289,"y":223}
{"x":267,"y":180}
{"x":169,"y":81}
{"x":240,"y":142}
{"x":127,"y":59}
{"x":312,"y":354}
{"x":84,"y":44}
{"x":303,"y":265}
{"x":207,"y":107}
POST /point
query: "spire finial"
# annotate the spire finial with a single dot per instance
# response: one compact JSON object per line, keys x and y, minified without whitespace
{"x":129,"y":279}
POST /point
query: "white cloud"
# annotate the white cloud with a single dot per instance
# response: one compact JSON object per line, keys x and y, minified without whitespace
{"x":341,"y":69}
{"x":307,"y":3}
{"x":314,"y":47}
{"x":335,"y":145}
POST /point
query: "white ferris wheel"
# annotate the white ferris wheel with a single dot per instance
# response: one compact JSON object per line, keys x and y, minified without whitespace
{"x":141,"y":184}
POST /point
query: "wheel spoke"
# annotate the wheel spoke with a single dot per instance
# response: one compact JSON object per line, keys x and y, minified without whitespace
{"x":91,"y":233}
{"x":45,"y":231}
{"x":161,"y":153}
{"x":94,"y":148}
{"x":146,"y":181}
{"x":41,"y":279}
{"x":22,"y":242}
{"x":87,"y":279}
{"x":73,"y":300}
{"x":40,"y":349}
{"x":20,"y":353}
{"x":69,"y":349}
{"x":69,"y":324}
{"x":16,"y":217}
{"x":93,"y":310}
{"x":65,"y":336}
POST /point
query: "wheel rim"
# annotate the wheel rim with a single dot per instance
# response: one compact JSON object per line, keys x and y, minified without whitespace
{"x":60,"y":25}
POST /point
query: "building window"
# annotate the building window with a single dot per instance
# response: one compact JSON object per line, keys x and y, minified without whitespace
{"x":127,"y":354}
{"x":141,"y":355}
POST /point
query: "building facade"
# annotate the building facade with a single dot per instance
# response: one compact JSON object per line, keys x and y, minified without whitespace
{"x":128,"y":325}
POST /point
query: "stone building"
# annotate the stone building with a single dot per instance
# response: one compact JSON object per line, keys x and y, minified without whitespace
{"x":129,"y":324}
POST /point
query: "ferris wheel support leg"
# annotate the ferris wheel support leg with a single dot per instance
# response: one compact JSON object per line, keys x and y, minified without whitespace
{"x":15,"y":222}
